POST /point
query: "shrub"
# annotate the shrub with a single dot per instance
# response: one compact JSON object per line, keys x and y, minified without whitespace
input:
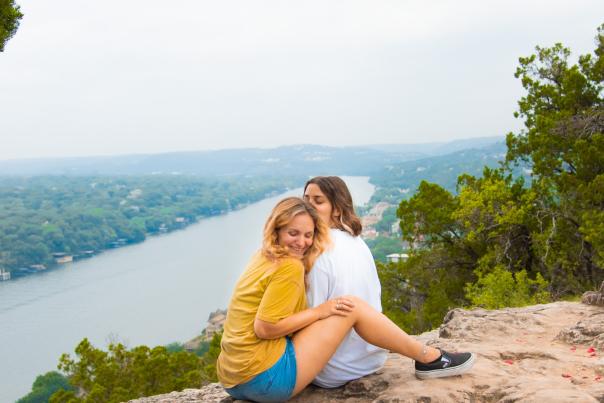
{"x":501,"y":288}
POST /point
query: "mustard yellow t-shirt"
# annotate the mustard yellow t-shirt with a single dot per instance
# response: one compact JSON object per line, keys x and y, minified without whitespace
{"x":269,"y":291}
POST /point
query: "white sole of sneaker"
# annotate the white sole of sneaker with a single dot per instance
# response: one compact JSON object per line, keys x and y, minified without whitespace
{"x":442,"y":373}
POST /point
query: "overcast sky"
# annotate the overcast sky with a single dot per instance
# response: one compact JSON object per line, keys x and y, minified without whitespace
{"x":146,"y":76}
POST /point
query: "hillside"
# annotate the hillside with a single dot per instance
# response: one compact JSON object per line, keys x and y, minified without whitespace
{"x":400,"y":180}
{"x":288,"y":160}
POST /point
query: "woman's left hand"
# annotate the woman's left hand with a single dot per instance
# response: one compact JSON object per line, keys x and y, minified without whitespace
{"x":338,"y":306}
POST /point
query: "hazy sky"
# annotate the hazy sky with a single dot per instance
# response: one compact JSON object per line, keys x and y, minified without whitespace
{"x":133,"y":76}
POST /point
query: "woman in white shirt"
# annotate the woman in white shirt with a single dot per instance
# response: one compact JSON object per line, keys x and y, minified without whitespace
{"x":348,"y":268}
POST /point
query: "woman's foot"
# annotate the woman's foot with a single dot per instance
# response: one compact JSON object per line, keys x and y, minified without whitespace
{"x":448,"y":364}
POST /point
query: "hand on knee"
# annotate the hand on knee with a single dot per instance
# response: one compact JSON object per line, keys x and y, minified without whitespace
{"x":342,"y":306}
{"x":359,"y":303}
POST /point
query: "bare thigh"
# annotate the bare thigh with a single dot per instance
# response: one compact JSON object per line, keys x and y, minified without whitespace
{"x":315,"y":344}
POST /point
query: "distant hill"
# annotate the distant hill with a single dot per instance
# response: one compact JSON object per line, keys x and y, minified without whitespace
{"x":287,"y":160}
{"x":423,"y":150}
{"x":399,"y":181}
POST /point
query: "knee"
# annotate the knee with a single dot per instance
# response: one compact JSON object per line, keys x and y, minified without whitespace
{"x":358,"y":302}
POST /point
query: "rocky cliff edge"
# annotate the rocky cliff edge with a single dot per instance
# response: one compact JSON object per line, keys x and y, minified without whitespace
{"x":542,"y":353}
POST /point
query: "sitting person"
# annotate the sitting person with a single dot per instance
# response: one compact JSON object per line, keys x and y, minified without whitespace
{"x":346,"y":268}
{"x":273,"y":346}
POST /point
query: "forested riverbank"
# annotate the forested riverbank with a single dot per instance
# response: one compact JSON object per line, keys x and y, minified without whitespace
{"x":50,"y":219}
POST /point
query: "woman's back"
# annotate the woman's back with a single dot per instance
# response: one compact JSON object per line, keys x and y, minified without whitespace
{"x":347,"y":269}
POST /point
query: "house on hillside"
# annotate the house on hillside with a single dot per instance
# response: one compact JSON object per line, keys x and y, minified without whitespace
{"x":62,"y":257}
{"x":397,"y":257}
{"x":4,"y":275}
{"x":369,"y":233}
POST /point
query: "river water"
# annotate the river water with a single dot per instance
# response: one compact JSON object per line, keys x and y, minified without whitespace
{"x":153,"y":293}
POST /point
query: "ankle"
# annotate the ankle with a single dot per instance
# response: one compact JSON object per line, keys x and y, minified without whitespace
{"x":429,"y":354}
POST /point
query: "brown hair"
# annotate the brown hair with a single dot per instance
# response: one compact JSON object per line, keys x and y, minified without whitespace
{"x":336,"y":191}
{"x":281,"y":215}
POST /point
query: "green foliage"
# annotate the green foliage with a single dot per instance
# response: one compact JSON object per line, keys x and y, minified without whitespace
{"x":120,"y":374}
{"x":501,"y":288}
{"x":382,"y":246}
{"x":175,"y":347}
{"x":427,"y":216}
{"x":210,"y":357}
{"x":563,"y":140}
{"x":202,"y":349}
{"x":44,"y":386}
{"x":503,"y":241}
{"x":10,"y":16}
{"x":388,"y":218}
{"x":417,"y":293}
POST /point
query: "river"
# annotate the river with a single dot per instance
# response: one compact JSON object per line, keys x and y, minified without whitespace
{"x":152,"y":293}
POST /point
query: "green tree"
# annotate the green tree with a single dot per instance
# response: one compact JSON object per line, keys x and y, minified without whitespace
{"x":563,"y":141}
{"x":504,"y":242}
{"x":44,"y":386}
{"x":120,"y":374}
{"x":382,"y":246}
{"x":417,"y":293}
{"x":210,"y":357}
{"x":10,"y":15}
{"x":426,"y":218}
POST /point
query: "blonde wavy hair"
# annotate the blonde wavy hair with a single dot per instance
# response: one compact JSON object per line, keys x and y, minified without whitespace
{"x":281,"y":215}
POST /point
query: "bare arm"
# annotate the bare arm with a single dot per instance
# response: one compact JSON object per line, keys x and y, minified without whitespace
{"x":266,"y":330}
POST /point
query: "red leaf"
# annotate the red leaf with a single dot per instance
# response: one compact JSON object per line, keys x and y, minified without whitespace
{"x":597,"y":378}
{"x":509,"y":362}
{"x":566,"y":375}
{"x":591,"y":350}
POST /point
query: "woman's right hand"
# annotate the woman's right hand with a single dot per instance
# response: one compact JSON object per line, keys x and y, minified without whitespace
{"x":341,"y":306}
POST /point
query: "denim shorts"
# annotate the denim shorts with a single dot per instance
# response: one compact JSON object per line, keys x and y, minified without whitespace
{"x":276,"y":384}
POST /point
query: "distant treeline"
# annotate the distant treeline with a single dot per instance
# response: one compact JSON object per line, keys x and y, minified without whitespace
{"x":79,"y":216}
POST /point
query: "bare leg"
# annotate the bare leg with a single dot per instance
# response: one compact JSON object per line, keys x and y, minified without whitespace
{"x":316,"y":343}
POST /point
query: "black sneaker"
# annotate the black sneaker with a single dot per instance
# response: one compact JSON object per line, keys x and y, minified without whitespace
{"x":448,"y":364}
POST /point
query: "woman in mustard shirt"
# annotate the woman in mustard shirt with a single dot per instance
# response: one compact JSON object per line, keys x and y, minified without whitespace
{"x":273,"y":346}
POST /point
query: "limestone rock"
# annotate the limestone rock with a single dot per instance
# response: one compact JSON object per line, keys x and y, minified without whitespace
{"x":532,"y":354}
{"x":210,"y":393}
{"x":215,"y":325}
{"x":594,"y":297}
{"x":588,"y":332}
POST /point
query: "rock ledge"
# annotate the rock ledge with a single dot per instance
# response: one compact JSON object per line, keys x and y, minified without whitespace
{"x":538,"y":353}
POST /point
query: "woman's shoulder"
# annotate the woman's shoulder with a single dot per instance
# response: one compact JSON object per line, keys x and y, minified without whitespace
{"x":289,"y":264}
{"x":347,"y":247}
{"x":342,"y":238}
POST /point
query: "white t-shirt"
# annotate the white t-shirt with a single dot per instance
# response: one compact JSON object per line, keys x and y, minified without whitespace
{"x":347,"y":268}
